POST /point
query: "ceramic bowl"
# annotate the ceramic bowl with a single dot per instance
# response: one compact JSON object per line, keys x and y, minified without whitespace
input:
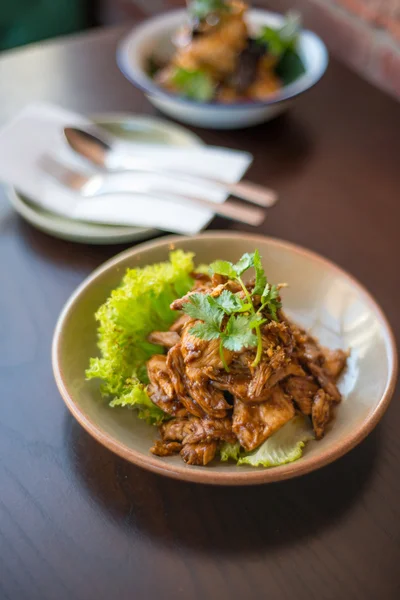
{"x":321,"y":297}
{"x":153,"y":37}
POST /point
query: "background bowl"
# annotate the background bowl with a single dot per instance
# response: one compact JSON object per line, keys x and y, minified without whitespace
{"x":321,"y":297}
{"x":153,"y":37}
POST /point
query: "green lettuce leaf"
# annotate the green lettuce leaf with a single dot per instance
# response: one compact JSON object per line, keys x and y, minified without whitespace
{"x":284,"y":446}
{"x":137,"y":307}
{"x":137,"y":397}
{"x":230,"y":451}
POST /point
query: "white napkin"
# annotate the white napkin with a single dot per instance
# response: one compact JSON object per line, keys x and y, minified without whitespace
{"x":38,"y":131}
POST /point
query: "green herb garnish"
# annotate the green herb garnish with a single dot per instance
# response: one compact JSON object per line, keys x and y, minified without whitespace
{"x":289,"y":67}
{"x":283,"y":43}
{"x":280,"y":40}
{"x":201,"y":8}
{"x":196,"y":84}
{"x":243,"y":327}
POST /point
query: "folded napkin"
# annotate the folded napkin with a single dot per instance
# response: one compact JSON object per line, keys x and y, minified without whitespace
{"x":38,"y":130}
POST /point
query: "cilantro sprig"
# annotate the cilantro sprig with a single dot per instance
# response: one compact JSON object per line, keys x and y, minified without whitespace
{"x":283,"y":44}
{"x":232,"y":319}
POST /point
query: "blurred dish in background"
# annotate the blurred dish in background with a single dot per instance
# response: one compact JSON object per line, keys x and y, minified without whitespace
{"x":218,"y":59}
{"x":221,"y":65}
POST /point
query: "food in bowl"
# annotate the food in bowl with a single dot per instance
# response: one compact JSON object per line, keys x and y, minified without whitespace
{"x":209,"y":356}
{"x":216,"y":58}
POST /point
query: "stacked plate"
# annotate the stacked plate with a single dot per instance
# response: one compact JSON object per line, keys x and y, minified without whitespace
{"x":128,"y":127}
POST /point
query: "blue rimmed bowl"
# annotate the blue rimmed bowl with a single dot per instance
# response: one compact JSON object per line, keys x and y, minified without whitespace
{"x":153,"y":38}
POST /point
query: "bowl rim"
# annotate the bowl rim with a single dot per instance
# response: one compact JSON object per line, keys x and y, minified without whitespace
{"x":202,"y":474}
{"x":146,"y":84}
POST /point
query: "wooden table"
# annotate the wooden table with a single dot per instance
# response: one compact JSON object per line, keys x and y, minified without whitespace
{"x":76,"y":522}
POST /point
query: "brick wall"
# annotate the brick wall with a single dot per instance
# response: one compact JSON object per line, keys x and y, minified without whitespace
{"x":365,"y":34}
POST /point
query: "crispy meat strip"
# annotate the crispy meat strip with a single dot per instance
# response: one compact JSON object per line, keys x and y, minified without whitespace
{"x":180,"y":323}
{"x":321,"y":413}
{"x":165,"y":448}
{"x":161,"y":390}
{"x":302,"y":390}
{"x":334,"y":362}
{"x":199,"y":454}
{"x":325,"y":382}
{"x":254,"y":423}
{"x":164,"y":338}
{"x":176,"y":371}
{"x":200,"y":430}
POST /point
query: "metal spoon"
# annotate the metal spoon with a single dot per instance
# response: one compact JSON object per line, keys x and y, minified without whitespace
{"x":95,"y":145}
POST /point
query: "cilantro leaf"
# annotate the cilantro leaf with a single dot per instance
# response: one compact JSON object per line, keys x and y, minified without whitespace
{"x":256,"y":319}
{"x":278,"y":41}
{"x":223,"y":267}
{"x":205,"y":331}
{"x":195,"y":84}
{"x":229,"y":302}
{"x":261,"y":279}
{"x":238,"y":334}
{"x":270,"y":300}
{"x":244,"y":263}
{"x":265,"y":293}
{"x":283,"y":43}
{"x":243,"y":327}
{"x":200,"y":306}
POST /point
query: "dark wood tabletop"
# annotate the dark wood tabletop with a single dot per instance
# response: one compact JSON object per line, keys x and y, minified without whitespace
{"x":77,"y":522}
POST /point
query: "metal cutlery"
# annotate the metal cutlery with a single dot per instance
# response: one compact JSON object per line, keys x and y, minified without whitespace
{"x":95,"y":146}
{"x":91,"y":186}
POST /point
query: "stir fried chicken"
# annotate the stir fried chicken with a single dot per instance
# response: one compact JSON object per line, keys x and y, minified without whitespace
{"x":199,"y":454}
{"x":321,"y":413}
{"x":254,"y":423}
{"x":161,"y":389}
{"x":164,"y":338}
{"x":217,"y":395}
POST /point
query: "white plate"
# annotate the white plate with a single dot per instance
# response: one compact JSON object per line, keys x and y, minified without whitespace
{"x":128,"y":127}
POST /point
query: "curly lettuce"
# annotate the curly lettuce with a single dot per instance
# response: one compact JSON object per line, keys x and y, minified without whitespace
{"x":137,"y":307}
{"x":284,"y":446}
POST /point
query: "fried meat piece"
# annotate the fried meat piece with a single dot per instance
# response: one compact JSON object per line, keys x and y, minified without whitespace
{"x":208,"y":397}
{"x":164,"y":338}
{"x":180,"y":323}
{"x":302,"y":390}
{"x":199,"y":454}
{"x":325,"y":382}
{"x":161,"y":390}
{"x":253,"y":424}
{"x":165,"y":448}
{"x":334,"y":362}
{"x":320,"y":413}
{"x":174,"y":430}
{"x":201,"y":430}
{"x":176,"y":371}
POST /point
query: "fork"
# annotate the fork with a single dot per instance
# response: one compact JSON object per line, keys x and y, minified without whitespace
{"x":91,"y":186}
